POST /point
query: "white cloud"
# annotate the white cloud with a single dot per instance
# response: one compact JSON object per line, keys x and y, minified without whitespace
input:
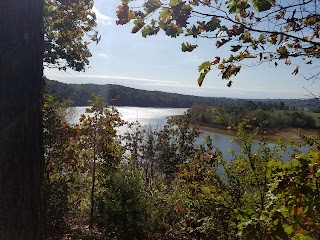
{"x":104,"y":55}
{"x":103,"y":19}
{"x":174,"y":86}
{"x":127,"y":78}
{"x":70,"y":77}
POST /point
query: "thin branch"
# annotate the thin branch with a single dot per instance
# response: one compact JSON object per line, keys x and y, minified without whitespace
{"x":287,"y":7}
{"x":311,"y":94}
{"x":258,"y":30}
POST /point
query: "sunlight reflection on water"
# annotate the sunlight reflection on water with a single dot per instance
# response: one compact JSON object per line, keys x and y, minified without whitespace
{"x":155,"y":118}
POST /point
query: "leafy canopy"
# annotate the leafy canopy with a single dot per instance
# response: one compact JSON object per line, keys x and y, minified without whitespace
{"x":69,"y":28}
{"x":254,"y":31}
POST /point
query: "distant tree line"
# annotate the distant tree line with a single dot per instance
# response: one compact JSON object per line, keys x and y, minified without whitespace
{"x":256,"y":114}
{"x":118,"y":95}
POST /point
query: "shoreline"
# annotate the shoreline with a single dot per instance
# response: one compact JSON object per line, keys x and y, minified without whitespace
{"x":284,"y":135}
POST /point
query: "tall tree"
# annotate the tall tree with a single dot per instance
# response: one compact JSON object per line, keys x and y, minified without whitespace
{"x":21,"y":64}
{"x":99,"y":144}
{"x":21,"y":158}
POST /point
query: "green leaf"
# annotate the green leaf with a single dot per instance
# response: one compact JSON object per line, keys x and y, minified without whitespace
{"x":139,"y":23}
{"x":151,"y":5}
{"x":173,"y":3}
{"x":164,"y":15}
{"x":187,"y":47}
{"x":246,"y":37}
{"x":194,"y":31}
{"x":204,"y":66}
{"x":145,"y":32}
{"x":237,"y":5}
{"x":263,"y":5}
{"x":201,"y":78}
{"x":205,"y":189}
{"x":210,"y":26}
{"x":172,"y":30}
{"x":295,"y":162}
{"x":288,"y":229}
{"x":283,"y":52}
{"x":214,"y":23}
{"x":150,"y":30}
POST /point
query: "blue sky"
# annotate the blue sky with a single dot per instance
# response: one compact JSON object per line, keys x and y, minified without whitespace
{"x":157,"y":63}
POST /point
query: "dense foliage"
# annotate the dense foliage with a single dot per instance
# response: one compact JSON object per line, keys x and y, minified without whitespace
{"x":160,"y":184}
{"x":69,"y":29}
{"x":267,"y":116}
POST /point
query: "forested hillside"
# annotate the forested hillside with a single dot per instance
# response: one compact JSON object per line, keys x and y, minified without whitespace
{"x":124,"y":96}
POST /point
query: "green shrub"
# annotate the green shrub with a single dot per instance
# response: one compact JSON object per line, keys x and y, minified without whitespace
{"x":122,"y":207}
{"x":56,"y":206}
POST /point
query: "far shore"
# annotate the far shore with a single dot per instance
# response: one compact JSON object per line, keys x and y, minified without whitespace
{"x":285,"y":135}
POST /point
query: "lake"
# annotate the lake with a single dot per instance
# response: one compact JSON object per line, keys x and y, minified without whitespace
{"x":156,"y":119}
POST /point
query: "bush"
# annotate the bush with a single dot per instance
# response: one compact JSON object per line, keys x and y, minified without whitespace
{"x":122,"y":207}
{"x":56,"y":206}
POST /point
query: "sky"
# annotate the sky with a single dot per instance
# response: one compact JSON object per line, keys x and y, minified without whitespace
{"x":157,"y":63}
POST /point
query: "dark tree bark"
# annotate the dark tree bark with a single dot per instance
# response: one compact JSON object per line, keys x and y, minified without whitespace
{"x":21,"y":158}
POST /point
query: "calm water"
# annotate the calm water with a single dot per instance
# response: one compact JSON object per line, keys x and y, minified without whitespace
{"x":156,"y":119}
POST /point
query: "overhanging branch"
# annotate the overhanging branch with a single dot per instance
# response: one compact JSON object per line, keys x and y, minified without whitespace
{"x":259,"y":30}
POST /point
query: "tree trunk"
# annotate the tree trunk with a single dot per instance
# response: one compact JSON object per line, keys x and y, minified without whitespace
{"x":93,"y":179}
{"x":21,"y":155}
